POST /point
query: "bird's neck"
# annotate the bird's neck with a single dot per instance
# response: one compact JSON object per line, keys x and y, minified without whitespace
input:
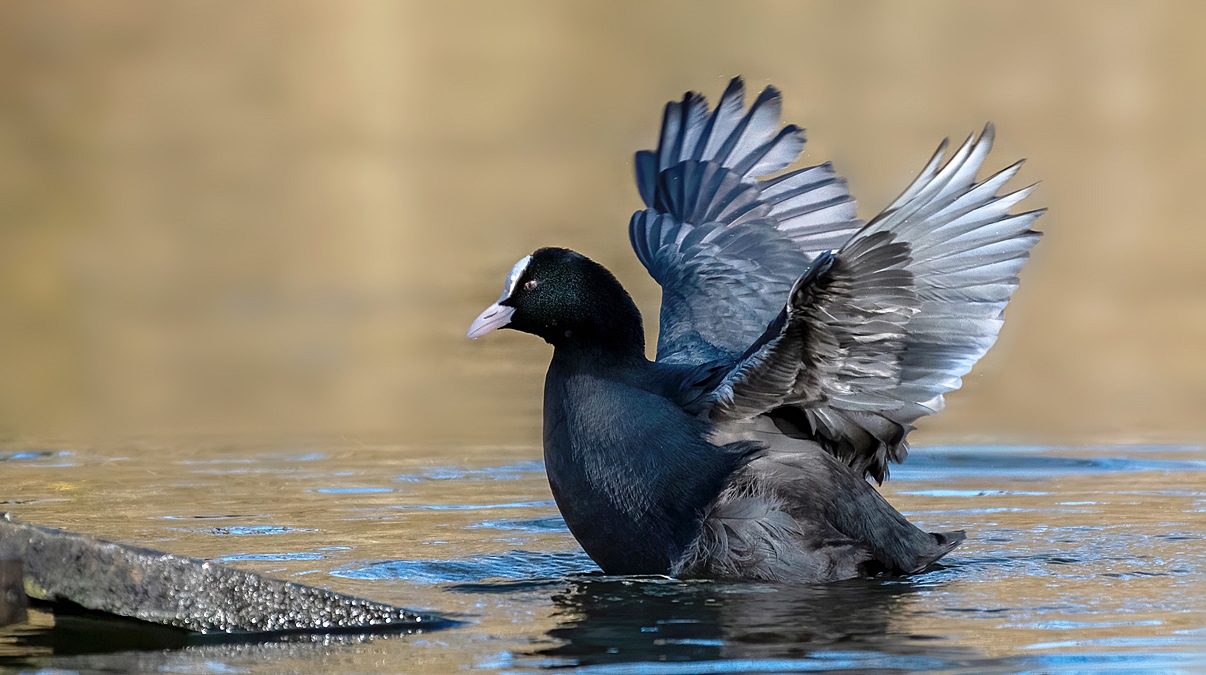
{"x":610,"y":357}
{"x":607,"y":328}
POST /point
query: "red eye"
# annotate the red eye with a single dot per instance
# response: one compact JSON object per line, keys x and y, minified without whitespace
{"x":531,"y":285}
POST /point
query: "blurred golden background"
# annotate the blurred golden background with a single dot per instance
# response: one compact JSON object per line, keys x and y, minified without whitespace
{"x":280,"y":217}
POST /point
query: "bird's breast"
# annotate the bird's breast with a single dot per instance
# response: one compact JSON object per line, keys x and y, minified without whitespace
{"x":619,"y":464}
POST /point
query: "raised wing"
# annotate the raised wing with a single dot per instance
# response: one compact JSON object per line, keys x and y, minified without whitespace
{"x":838,"y":340}
{"x":724,"y":246}
{"x":874,"y":335}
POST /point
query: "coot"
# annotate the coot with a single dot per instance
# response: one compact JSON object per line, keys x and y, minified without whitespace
{"x":797,"y":346}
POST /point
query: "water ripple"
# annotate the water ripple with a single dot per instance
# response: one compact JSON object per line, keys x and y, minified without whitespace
{"x":511,"y":565}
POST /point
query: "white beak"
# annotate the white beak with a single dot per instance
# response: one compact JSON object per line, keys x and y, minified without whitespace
{"x":496,"y":316}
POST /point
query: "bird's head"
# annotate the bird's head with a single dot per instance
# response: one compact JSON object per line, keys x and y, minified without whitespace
{"x":565,"y":298}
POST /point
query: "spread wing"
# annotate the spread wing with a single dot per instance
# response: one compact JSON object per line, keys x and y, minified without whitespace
{"x":725,"y":246}
{"x":873,"y":335}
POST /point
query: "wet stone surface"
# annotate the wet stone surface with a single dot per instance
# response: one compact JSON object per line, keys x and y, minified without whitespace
{"x":181,"y":592}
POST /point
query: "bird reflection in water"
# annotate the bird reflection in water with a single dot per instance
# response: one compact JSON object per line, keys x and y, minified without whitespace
{"x":608,"y":620}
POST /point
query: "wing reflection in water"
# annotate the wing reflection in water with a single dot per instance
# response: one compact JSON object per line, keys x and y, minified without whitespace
{"x":608,"y":620}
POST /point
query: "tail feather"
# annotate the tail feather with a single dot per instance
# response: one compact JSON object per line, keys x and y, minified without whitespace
{"x":945,"y":543}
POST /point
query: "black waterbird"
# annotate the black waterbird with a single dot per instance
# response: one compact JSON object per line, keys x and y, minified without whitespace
{"x":797,"y":347}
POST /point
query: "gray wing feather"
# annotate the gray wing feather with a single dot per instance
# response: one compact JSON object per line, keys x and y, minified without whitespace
{"x":902,"y":313}
{"x":725,"y":246}
{"x":683,"y":257}
{"x":966,"y":251}
{"x":837,"y":341}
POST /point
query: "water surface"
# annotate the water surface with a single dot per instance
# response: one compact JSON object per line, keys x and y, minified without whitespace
{"x":1078,"y":560}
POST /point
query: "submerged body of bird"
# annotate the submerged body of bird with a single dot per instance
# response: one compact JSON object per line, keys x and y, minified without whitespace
{"x":797,"y":346}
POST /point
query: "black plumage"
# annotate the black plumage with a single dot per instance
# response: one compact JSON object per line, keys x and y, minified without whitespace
{"x":797,"y":346}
